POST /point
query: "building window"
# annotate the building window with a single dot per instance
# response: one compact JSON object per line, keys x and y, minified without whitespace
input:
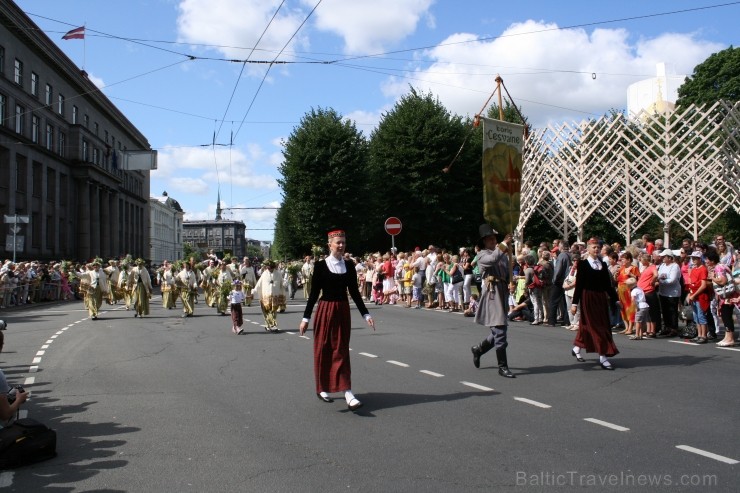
{"x":74,"y":115}
{"x":3,"y":110}
{"x":36,"y":230}
{"x":36,"y":179}
{"x":97,"y":128}
{"x":51,"y":185}
{"x":49,"y":137}
{"x":106,"y":136}
{"x":35,"y":129}
{"x":18,"y":74}
{"x":62,"y":189}
{"x":85,"y":151}
{"x":35,"y":84}
{"x":86,"y":121}
{"x":61,"y":143}
{"x":20,"y":173}
{"x":60,"y":104}
{"x":2,"y":60}
{"x":49,"y":94}
{"x":19,"y":119}
{"x":96,"y":156}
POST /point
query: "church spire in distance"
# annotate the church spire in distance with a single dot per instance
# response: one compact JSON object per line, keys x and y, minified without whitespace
{"x":218,"y":206}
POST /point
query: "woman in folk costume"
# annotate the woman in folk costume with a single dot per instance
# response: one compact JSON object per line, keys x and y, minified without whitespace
{"x":223,"y":283}
{"x":283,"y":270}
{"x":97,"y":287}
{"x":140,"y":284}
{"x":332,"y":278}
{"x":169,"y":290}
{"x":188,"y":287}
{"x":269,"y":288}
{"x":208,"y":283}
{"x":112,"y":272}
{"x":594,"y":291}
{"x":123,"y":285}
{"x":249,"y":279}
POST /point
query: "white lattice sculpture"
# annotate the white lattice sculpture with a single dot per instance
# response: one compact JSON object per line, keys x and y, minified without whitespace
{"x":681,"y":166}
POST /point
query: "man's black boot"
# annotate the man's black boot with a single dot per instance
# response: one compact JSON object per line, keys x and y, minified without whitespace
{"x":503,"y":367}
{"x":479,"y":351}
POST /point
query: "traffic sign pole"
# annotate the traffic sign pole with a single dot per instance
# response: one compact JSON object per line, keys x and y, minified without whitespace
{"x":15,"y":219}
{"x":393,"y":227}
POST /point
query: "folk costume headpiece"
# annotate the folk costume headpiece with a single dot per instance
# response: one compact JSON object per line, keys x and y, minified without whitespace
{"x":335,"y":233}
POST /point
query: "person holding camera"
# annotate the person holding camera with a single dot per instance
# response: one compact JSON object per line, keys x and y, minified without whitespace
{"x":10,"y":399}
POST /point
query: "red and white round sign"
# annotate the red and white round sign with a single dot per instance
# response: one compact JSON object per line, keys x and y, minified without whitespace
{"x":393,"y":226}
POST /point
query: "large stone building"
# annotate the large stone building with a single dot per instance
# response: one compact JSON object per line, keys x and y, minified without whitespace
{"x":166,"y":232}
{"x":61,"y":143}
{"x":221,"y":236}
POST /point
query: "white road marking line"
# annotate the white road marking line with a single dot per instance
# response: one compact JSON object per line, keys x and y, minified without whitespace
{"x":29,"y":381}
{"x":534,"y":403}
{"x":77,"y":322}
{"x":289,"y":332}
{"x":36,"y":361}
{"x":428,"y":372}
{"x":6,"y":479}
{"x":305,"y":337}
{"x":63,"y":329}
{"x":33,"y":369}
{"x":685,"y":342}
{"x":57,"y":334}
{"x":397,"y":363}
{"x":476,"y":386}
{"x":698,"y":451}
{"x":45,"y":346}
{"x":255,"y":323}
{"x":40,"y":353}
{"x":607,"y":424}
{"x":728,"y":348}
{"x":49,"y":341}
{"x":368,"y":355}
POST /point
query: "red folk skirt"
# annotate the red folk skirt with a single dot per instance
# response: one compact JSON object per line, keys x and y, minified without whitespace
{"x":331,"y":331}
{"x":594,"y":330}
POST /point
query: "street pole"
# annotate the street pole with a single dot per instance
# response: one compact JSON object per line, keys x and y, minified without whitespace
{"x":15,"y":230}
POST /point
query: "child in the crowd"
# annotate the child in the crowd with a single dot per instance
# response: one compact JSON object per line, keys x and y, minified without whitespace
{"x":236,"y":298}
{"x":416,"y":282}
{"x":512,"y":296}
{"x":472,"y":307}
{"x":378,"y":286}
{"x":642,"y":315}
{"x":408,"y":275}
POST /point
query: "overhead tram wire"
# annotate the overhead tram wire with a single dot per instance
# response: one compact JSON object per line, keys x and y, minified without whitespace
{"x":259,"y":88}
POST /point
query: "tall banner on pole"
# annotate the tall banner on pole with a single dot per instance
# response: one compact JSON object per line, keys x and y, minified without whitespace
{"x":502,"y":173}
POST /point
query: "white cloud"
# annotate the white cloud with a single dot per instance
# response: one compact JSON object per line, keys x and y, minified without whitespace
{"x":238,"y":24}
{"x":366,"y":121}
{"x":369,"y":26}
{"x":189,"y":186}
{"x":549,"y":74}
{"x":98,"y":81}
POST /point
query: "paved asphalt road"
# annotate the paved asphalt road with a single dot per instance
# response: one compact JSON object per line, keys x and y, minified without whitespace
{"x":166,"y":404}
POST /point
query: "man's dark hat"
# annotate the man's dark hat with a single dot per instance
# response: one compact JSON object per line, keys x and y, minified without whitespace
{"x":486,"y":230}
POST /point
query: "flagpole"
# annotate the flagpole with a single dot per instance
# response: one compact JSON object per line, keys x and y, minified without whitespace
{"x":84,"y":47}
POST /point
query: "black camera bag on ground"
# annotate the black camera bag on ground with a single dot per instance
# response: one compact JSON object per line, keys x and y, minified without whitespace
{"x":25,"y":442}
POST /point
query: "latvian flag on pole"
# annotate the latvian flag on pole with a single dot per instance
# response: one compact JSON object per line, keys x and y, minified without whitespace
{"x":77,"y":33}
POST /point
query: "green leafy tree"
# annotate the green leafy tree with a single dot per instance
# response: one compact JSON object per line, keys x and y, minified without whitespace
{"x":323,"y":182}
{"x":717,"y":77}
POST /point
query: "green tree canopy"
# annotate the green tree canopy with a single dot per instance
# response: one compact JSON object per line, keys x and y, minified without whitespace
{"x":717,"y":77}
{"x":323,"y":176}
{"x":409,"y":151}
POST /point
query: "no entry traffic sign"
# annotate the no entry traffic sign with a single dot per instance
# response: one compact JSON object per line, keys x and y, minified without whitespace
{"x":393,"y":226}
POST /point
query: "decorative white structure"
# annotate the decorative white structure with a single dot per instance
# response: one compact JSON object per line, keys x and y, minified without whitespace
{"x":656,"y":95}
{"x":682,"y":166}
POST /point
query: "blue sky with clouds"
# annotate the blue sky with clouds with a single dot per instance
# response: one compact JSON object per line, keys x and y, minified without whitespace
{"x":175,"y":68}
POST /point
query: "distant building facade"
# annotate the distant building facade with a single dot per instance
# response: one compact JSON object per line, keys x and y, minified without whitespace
{"x":59,"y":138}
{"x":221,"y":236}
{"x":166,"y":233}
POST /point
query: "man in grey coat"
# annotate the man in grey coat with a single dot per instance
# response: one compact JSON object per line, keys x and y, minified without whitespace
{"x":558,"y":310}
{"x":493,"y":263}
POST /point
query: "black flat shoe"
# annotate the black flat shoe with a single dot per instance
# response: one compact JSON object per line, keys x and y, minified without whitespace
{"x":578,"y":356}
{"x":325,"y":399}
{"x":607,"y":367}
{"x":504,"y":372}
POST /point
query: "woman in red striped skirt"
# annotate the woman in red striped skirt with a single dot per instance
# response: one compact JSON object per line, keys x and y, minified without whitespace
{"x":332,"y":277}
